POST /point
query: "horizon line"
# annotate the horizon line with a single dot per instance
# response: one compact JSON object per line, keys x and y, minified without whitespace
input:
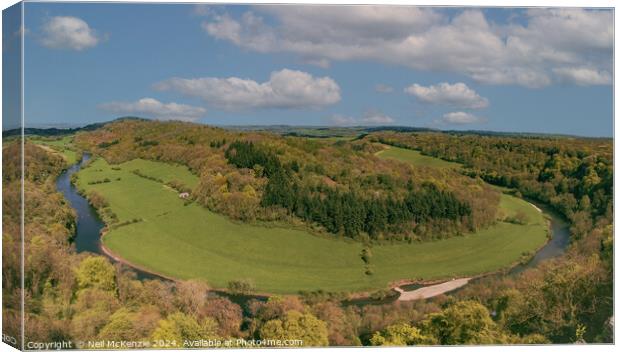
{"x":68,"y":126}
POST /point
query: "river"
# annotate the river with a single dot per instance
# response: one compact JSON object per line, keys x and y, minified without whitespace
{"x":89,"y":226}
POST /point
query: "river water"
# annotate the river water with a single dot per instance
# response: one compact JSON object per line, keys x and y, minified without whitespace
{"x":89,"y":226}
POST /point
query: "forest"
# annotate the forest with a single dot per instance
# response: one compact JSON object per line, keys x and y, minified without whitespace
{"x":573,"y":175}
{"x":346,"y":212}
{"x":253,"y":176}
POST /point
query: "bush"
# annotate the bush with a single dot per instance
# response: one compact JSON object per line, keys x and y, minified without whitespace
{"x":96,"y":200}
{"x":366,"y":255}
{"x":520,"y":218}
{"x":241,"y":287}
{"x":178,"y":186}
{"x":382,"y":294}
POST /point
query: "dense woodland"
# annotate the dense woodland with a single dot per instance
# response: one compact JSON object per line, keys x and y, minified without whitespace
{"x":573,"y":175}
{"x":79,"y":297}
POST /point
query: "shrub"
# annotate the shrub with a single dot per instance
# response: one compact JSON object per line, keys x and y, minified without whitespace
{"x":241,"y":287}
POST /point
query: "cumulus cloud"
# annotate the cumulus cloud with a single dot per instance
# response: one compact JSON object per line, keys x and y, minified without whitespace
{"x":466,"y":42}
{"x":285,"y":89}
{"x":383,"y":88}
{"x":370,"y":118}
{"x":583,"y":76}
{"x":456,"y":95}
{"x":461,"y":118}
{"x":65,"y":32}
{"x":341,"y":120}
{"x":150,"y":107}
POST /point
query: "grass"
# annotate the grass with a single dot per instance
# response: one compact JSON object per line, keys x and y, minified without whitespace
{"x":62,"y":146}
{"x":163,"y":171}
{"x":188,"y":241}
{"x":415,"y":158}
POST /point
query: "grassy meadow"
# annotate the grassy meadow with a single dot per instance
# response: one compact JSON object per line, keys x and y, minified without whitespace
{"x":414,"y":158}
{"x":163,"y":171}
{"x":191,"y":242}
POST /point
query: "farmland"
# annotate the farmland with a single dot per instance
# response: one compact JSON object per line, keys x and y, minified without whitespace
{"x":189,"y":241}
{"x":414,"y":158}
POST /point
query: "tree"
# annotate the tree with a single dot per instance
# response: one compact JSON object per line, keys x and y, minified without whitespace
{"x":463,"y":323}
{"x":241,"y":287}
{"x":227,"y":315}
{"x":92,"y":309}
{"x":96,"y":272}
{"x":210,"y":329}
{"x":297,"y":326}
{"x":191,"y":296}
{"x":276,"y":307}
{"x":521,"y":217}
{"x":119,"y":327}
{"x":97,"y":200}
{"x":563,"y":296}
{"x":401,"y":334}
{"x":176,"y":329}
{"x":342,"y":324}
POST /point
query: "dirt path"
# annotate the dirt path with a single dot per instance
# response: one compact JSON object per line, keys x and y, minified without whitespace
{"x":431,"y":291}
{"x":535,"y":207}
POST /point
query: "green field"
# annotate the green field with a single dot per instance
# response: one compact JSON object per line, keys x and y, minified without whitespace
{"x":61,"y":146}
{"x":415,"y":158}
{"x":188,"y":241}
{"x":162,"y":171}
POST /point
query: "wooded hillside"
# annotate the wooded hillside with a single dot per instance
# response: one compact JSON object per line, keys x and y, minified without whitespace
{"x":337,"y":187}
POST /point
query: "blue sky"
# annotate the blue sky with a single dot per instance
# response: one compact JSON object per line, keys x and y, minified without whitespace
{"x":489,"y":69}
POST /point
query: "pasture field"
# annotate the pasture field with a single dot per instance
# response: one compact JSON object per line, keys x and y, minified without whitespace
{"x":62,"y":146}
{"x":163,"y":171}
{"x":191,"y":242}
{"x":415,"y":158}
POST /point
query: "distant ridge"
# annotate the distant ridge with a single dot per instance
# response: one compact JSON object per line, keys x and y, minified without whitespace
{"x":56,"y":131}
{"x":302,"y":131}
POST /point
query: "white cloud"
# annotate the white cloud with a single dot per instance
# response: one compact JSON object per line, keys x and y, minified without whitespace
{"x":461,"y":118}
{"x":153,"y":108}
{"x":583,"y":76}
{"x":456,"y":95}
{"x":322,"y":63}
{"x":466,"y":42}
{"x":383,"y":88}
{"x":370,"y":118}
{"x":65,"y":32}
{"x":202,"y":10}
{"x":22,"y":31}
{"x":285,"y":89}
{"x":341,"y":120}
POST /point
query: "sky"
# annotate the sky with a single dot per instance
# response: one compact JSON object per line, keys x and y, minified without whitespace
{"x":516,"y":70}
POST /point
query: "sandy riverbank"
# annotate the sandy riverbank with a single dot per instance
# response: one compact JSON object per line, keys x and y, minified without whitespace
{"x":431,"y":291}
